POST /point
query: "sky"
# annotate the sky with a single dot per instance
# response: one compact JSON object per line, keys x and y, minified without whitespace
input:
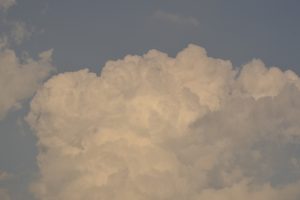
{"x":149,"y":99}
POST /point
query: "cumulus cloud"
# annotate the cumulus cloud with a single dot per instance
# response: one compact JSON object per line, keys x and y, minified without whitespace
{"x":175,"y":18}
{"x":5,"y":4}
{"x":19,"y":78}
{"x":156,"y":127}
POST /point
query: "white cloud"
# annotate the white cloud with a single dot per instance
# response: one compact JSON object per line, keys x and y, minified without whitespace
{"x":259,"y":81}
{"x":175,"y":18}
{"x":19,"y":78}
{"x":155,"y":127}
{"x":5,"y":4}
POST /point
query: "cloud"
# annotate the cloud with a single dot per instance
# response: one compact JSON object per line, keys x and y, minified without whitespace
{"x":156,"y":127}
{"x":20,"y":76}
{"x":5,"y":4}
{"x":4,"y":195}
{"x":4,"y":176}
{"x":176,"y":19}
{"x":19,"y":32}
{"x":14,"y":33}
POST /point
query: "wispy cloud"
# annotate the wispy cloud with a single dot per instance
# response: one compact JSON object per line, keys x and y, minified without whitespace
{"x":20,"y":76}
{"x":5,"y":4}
{"x":175,"y":18}
{"x":4,"y":175}
{"x":4,"y":193}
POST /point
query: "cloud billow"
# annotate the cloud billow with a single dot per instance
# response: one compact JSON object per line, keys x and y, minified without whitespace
{"x":156,"y":127}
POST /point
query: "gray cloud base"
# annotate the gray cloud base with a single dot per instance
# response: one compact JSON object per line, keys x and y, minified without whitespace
{"x":155,"y":127}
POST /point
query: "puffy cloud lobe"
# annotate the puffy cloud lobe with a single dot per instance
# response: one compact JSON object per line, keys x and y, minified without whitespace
{"x":20,"y":78}
{"x":155,"y":127}
{"x":259,"y":81}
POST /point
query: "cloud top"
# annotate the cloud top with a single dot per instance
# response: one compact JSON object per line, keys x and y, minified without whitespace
{"x":156,"y":127}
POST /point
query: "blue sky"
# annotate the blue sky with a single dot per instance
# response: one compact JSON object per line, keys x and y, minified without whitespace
{"x":86,"y":34}
{"x":91,"y":32}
